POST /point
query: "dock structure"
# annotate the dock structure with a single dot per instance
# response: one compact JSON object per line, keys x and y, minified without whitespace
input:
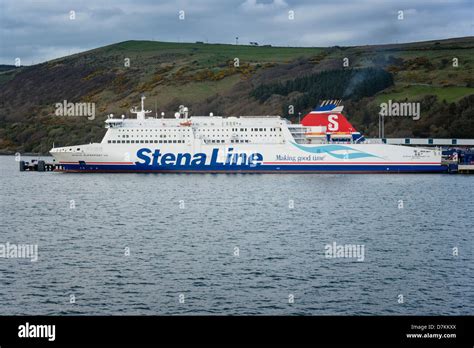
{"x":36,"y":166}
{"x":466,"y":168}
{"x":429,"y":141}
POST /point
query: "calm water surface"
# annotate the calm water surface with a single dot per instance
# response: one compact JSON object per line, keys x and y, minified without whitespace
{"x":182,"y":231}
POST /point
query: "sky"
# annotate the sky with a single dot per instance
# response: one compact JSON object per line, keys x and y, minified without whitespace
{"x":39,"y":30}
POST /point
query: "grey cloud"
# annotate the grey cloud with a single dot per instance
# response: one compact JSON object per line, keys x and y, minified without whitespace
{"x":37,"y":31}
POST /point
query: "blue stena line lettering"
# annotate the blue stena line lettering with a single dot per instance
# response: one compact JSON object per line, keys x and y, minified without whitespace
{"x":148,"y":157}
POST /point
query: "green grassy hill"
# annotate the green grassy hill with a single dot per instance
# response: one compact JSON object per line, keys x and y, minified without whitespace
{"x":204,"y":78}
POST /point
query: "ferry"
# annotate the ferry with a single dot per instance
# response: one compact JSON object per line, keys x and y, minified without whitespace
{"x":323,"y":142}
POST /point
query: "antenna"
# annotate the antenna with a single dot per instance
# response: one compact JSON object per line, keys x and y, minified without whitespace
{"x":140,"y":114}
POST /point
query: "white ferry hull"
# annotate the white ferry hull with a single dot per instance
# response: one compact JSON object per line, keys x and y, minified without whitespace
{"x":248,"y":158}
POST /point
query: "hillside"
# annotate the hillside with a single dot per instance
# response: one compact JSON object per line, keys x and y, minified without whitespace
{"x":204,"y":78}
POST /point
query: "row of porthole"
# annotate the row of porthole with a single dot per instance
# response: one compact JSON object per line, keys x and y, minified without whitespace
{"x":210,"y":129}
{"x":145,"y":141}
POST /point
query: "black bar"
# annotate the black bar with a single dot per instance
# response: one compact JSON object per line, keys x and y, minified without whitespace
{"x":139,"y":330}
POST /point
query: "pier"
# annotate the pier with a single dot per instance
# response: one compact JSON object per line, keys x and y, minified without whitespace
{"x":466,"y":169}
{"x":429,"y":142}
{"x":37,"y":166}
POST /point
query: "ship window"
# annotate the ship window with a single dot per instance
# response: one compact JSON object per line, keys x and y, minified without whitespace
{"x":109,"y":141}
{"x":160,"y":141}
{"x":156,"y":141}
{"x":133,"y":141}
{"x":113,"y":141}
{"x":141,"y":141}
{"x":174,"y":141}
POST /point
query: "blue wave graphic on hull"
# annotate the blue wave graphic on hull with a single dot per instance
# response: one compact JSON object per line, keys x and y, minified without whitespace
{"x":330,"y":149}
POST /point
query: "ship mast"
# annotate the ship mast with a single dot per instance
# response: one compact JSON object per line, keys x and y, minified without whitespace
{"x":140,"y":114}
